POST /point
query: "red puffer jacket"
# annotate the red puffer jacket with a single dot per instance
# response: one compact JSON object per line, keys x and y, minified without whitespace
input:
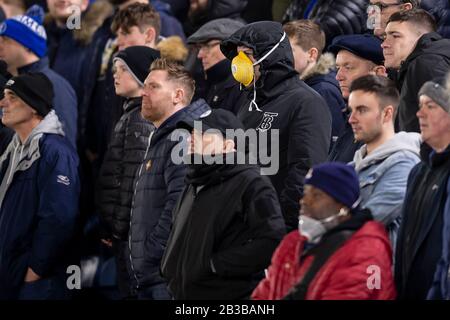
{"x":346,"y":275}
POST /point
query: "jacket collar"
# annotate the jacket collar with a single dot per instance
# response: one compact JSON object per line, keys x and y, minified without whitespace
{"x":219,"y":72}
{"x":35,"y":66}
{"x":357,"y":219}
{"x":192,"y":111}
{"x":323,"y":66}
{"x":431,"y":157}
{"x":132,"y":103}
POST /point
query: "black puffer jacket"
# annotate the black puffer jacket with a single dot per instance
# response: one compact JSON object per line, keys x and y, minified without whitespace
{"x":227,"y":224}
{"x":215,"y":9}
{"x":440,"y":9}
{"x":336,"y":17}
{"x":430,"y":59}
{"x":158,"y":185}
{"x":124,"y":155}
{"x":299,"y":113}
{"x":225,"y":8}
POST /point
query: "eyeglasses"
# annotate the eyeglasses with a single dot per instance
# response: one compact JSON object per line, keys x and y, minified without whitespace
{"x":382,"y":6}
{"x":207,"y":46}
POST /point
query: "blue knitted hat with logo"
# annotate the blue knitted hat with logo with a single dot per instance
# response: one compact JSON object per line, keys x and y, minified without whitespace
{"x":28,"y":30}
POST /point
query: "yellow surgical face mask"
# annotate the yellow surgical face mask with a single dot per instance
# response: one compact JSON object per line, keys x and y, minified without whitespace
{"x":242,"y":69}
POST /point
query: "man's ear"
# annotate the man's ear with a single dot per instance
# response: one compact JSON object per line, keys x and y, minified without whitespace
{"x":84,"y":5}
{"x":313,"y":55}
{"x":406,"y":6}
{"x":150,"y":35}
{"x":179,"y":96}
{"x":388,"y":114}
{"x":379,"y":71}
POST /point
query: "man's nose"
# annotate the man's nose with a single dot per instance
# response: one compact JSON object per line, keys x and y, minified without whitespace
{"x":351,"y":118}
{"x":201,"y":53}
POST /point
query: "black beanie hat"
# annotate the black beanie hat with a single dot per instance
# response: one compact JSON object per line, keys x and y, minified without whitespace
{"x":138,"y":60}
{"x":35,"y":89}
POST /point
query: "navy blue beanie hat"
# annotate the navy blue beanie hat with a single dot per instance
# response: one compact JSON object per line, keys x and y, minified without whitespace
{"x":27,"y":30}
{"x":338,"y":180}
{"x":365,"y":46}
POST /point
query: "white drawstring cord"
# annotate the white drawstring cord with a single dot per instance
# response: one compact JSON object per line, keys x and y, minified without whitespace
{"x":253,"y":102}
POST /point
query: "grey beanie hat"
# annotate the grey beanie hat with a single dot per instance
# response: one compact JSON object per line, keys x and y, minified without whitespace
{"x":436,"y":90}
{"x":219,"y":29}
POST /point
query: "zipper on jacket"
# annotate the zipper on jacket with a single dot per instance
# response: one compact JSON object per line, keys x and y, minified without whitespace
{"x":132,"y":206}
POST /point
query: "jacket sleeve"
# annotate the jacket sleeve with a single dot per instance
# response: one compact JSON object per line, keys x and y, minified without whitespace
{"x":108,"y":186}
{"x":135,"y":141}
{"x":365,"y":275}
{"x":309,"y":141}
{"x":386,"y":199}
{"x":174,"y":180}
{"x":58,"y":209}
{"x":66,"y":107}
{"x":282,"y":272}
{"x":265,"y":229}
{"x":440,"y":287}
{"x":336,"y":104}
{"x":401,"y":237}
{"x":265,"y":290}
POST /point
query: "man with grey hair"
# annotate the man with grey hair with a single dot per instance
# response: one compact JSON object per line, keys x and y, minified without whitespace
{"x":220,"y":89}
{"x":422,"y":260}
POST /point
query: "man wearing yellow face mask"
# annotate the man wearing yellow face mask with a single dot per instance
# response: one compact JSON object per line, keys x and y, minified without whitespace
{"x":294,"y":119}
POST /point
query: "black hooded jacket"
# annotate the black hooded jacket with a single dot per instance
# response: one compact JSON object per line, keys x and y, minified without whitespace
{"x":299,"y":113}
{"x":227,"y":223}
{"x":430,"y":59}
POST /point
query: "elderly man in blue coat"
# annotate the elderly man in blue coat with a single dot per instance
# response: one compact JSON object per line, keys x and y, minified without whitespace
{"x":39,"y":190}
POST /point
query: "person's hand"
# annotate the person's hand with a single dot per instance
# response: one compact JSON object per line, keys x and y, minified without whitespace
{"x":107,"y":242}
{"x":31,"y":276}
